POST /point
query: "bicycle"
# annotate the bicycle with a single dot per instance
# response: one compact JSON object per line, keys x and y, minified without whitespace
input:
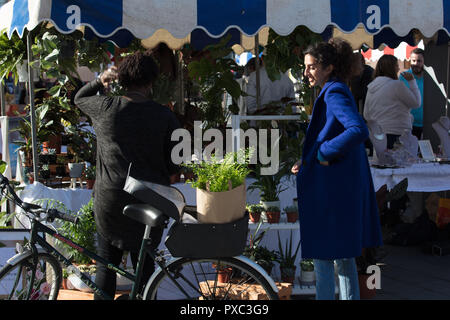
{"x":36,"y":273}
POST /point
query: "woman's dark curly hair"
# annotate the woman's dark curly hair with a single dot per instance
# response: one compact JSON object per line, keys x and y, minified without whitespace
{"x":137,"y":70}
{"x":335,"y":52}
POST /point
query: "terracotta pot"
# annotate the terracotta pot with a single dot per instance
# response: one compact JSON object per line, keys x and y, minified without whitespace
{"x":90,"y":183}
{"x":292,"y":216}
{"x":255,"y":216}
{"x":224,"y":275}
{"x":364,"y":291}
{"x":64,"y":284}
{"x":273,"y":217}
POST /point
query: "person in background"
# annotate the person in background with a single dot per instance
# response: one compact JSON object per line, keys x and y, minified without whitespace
{"x":362,"y":76}
{"x":417,"y":70}
{"x":130,"y":129}
{"x":338,"y":213}
{"x":389,"y":101}
{"x":269,"y":90}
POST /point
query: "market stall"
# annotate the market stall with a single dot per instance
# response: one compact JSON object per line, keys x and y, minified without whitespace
{"x":145,"y":19}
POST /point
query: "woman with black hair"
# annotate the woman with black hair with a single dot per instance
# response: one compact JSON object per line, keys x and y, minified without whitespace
{"x":337,"y":204}
{"x":130,"y":129}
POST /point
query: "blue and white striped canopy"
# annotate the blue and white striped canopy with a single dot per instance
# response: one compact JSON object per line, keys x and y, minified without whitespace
{"x":180,"y":17}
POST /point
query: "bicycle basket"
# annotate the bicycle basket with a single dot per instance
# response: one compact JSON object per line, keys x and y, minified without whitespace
{"x":207,"y":240}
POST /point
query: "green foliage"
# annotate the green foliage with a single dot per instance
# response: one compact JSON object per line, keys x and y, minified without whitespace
{"x":269,"y":186}
{"x":82,"y":142}
{"x":307,"y":265}
{"x":90,"y":172}
{"x":43,"y":130}
{"x":261,"y":255}
{"x":12,"y":52}
{"x":215,"y":175}
{"x":254,"y":208}
{"x":273,"y":209}
{"x":286,"y":52}
{"x":83,"y":233}
{"x":213,"y":74}
{"x":287,"y":256}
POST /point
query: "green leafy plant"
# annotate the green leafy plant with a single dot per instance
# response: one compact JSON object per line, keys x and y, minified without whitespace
{"x":218,"y":175}
{"x":43,"y":130}
{"x":83,"y":233}
{"x":307,"y":265}
{"x":273,"y":209}
{"x":213,"y":74}
{"x":269,"y":186}
{"x":255,"y":208}
{"x":287,"y":256}
{"x":261,"y":255}
{"x":286,"y":52}
{"x":89,"y":173}
{"x":12,"y":52}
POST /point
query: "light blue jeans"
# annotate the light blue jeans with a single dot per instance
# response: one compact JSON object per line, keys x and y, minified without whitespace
{"x":325,"y":281}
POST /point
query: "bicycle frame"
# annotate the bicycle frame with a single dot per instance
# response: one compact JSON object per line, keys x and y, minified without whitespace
{"x":37,"y":227}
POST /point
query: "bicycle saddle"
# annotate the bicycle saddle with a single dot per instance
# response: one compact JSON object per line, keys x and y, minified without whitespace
{"x":145,"y":213}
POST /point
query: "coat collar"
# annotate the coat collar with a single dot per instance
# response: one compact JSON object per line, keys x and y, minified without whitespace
{"x":327,"y":84}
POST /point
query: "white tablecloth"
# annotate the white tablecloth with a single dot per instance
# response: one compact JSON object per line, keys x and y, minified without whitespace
{"x":422,"y":177}
{"x":73,"y":199}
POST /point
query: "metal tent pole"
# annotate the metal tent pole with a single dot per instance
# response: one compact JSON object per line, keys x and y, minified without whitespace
{"x":32,"y":109}
{"x":258,"y":85}
{"x":2,"y":99}
{"x":447,"y":79}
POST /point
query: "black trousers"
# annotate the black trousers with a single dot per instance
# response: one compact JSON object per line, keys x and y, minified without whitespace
{"x":391,"y":139}
{"x":105,"y":278}
{"x":417,"y":131}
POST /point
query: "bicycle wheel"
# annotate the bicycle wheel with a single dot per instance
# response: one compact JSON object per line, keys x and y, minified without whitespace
{"x":202,"y":279}
{"x":15,"y":279}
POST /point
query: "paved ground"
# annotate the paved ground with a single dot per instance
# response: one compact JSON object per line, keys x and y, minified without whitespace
{"x":407,"y":273}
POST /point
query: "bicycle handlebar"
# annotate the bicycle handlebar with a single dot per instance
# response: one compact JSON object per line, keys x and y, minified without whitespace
{"x":34,"y":208}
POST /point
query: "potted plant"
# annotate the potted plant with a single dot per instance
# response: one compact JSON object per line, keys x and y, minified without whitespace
{"x":273,"y":214}
{"x":24,"y":130}
{"x":291,"y":213}
{"x":254,"y":211}
{"x":84,"y":234}
{"x":89,"y":173}
{"x":45,"y":171}
{"x":220,"y":185}
{"x":60,"y":166}
{"x":261,"y":255}
{"x":287,"y":259}
{"x":307,"y":270}
{"x":269,"y":187}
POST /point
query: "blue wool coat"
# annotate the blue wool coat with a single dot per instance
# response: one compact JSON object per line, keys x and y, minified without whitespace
{"x":337,"y":205}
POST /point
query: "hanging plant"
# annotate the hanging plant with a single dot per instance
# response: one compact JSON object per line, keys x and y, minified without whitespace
{"x":12,"y":52}
{"x":213,"y":73}
{"x":286,"y":52}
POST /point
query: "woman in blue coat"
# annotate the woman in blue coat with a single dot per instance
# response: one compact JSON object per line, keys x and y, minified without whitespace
{"x":337,"y":204}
